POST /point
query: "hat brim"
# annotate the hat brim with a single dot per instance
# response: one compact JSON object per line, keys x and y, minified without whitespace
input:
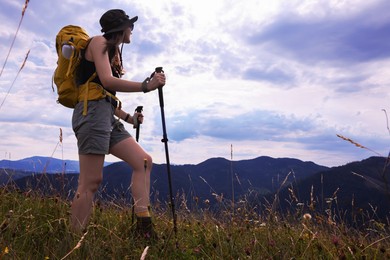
{"x":124,"y":25}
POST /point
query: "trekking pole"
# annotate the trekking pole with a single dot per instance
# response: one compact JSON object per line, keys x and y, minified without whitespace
{"x":136,"y":125}
{"x":165,"y":141}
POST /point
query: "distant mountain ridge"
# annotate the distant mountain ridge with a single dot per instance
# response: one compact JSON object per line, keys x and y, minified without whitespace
{"x":354,"y":187}
{"x":41,"y":164}
{"x":212,"y":177}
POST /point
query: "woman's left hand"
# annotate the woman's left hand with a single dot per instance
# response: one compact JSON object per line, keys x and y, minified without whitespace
{"x":138,"y":117}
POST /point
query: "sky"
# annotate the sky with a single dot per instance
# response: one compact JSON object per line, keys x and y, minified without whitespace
{"x":245,"y":79}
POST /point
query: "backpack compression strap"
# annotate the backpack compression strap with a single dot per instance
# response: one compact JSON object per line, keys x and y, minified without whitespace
{"x":104,"y":94}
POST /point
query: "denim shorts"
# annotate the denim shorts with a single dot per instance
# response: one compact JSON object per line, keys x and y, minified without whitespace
{"x":98,"y":131}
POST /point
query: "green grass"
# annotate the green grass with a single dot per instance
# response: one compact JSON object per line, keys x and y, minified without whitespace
{"x":37,"y":227}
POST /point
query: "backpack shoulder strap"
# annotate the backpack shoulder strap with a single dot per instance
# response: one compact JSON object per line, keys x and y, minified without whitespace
{"x":82,"y":53}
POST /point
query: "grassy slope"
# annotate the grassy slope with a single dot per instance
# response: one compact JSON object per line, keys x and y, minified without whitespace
{"x":35,"y":227}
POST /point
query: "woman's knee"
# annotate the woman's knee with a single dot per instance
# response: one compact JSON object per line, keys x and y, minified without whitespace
{"x":95,"y":184}
{"x":145,"y":163}
{"x":91,"y":184}
{"x":149,"y":158}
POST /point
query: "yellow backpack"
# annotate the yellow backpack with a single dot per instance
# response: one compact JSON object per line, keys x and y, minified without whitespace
{"x":70,"y":41}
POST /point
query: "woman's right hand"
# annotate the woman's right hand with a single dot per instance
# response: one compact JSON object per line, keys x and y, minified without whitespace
{"x":158,"y":80}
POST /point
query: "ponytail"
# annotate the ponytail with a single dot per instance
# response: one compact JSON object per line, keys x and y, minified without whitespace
{"x":114,"y":54}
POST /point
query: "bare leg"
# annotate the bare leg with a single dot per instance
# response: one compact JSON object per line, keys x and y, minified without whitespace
{"x":132,"y":153}
{"x":91,"y":175}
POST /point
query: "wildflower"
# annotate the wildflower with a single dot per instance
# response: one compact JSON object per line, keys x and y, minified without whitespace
{"x":254,"y":241}
{"x":307,"y":216}
{"x":229,"y":238}
{"x":6,"y":250}
{"x":342,"y":256}
{"x":197,"y":249}
{"x":335,"y":241}
{"x":9,"y":214}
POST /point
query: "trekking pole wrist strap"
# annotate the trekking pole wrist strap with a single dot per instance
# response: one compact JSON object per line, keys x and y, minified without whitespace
{"x":127,"y":118}
{"x":144,"y":85}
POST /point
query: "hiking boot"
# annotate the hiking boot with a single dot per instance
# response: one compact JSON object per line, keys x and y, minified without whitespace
{"x":144,"y":228}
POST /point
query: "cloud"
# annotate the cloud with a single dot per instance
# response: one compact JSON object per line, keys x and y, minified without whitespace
{"x":336,"y":39}
{"x":277,"y":78}
{"x":274,"y":75}
{"x":254,"y":125}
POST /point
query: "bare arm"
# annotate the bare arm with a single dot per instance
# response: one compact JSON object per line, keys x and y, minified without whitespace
{"x":103,"y":68}
{"x":123,"y":114}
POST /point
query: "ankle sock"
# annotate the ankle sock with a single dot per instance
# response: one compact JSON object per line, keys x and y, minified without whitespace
{"x":143,"y":214}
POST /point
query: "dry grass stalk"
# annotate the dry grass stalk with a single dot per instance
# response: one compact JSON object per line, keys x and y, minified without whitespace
{"x":144,"y":253}
{"x":78,"y":245}
{"x":357,"y":144}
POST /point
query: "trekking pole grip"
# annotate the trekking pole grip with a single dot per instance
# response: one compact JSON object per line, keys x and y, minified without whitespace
{"x":159,"y":70}
{"x":160,"y":91}
{"x":136,"y":123}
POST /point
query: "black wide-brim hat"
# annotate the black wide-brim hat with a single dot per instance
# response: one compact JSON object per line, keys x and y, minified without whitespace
{"x":116,"y":20}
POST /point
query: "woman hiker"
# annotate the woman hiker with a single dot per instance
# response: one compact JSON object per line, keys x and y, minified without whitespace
{"x":99,"y":132}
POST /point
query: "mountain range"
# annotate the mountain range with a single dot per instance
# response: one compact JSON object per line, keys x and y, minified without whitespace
{"x":40,"y":164}
{"x":358,"y":186}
